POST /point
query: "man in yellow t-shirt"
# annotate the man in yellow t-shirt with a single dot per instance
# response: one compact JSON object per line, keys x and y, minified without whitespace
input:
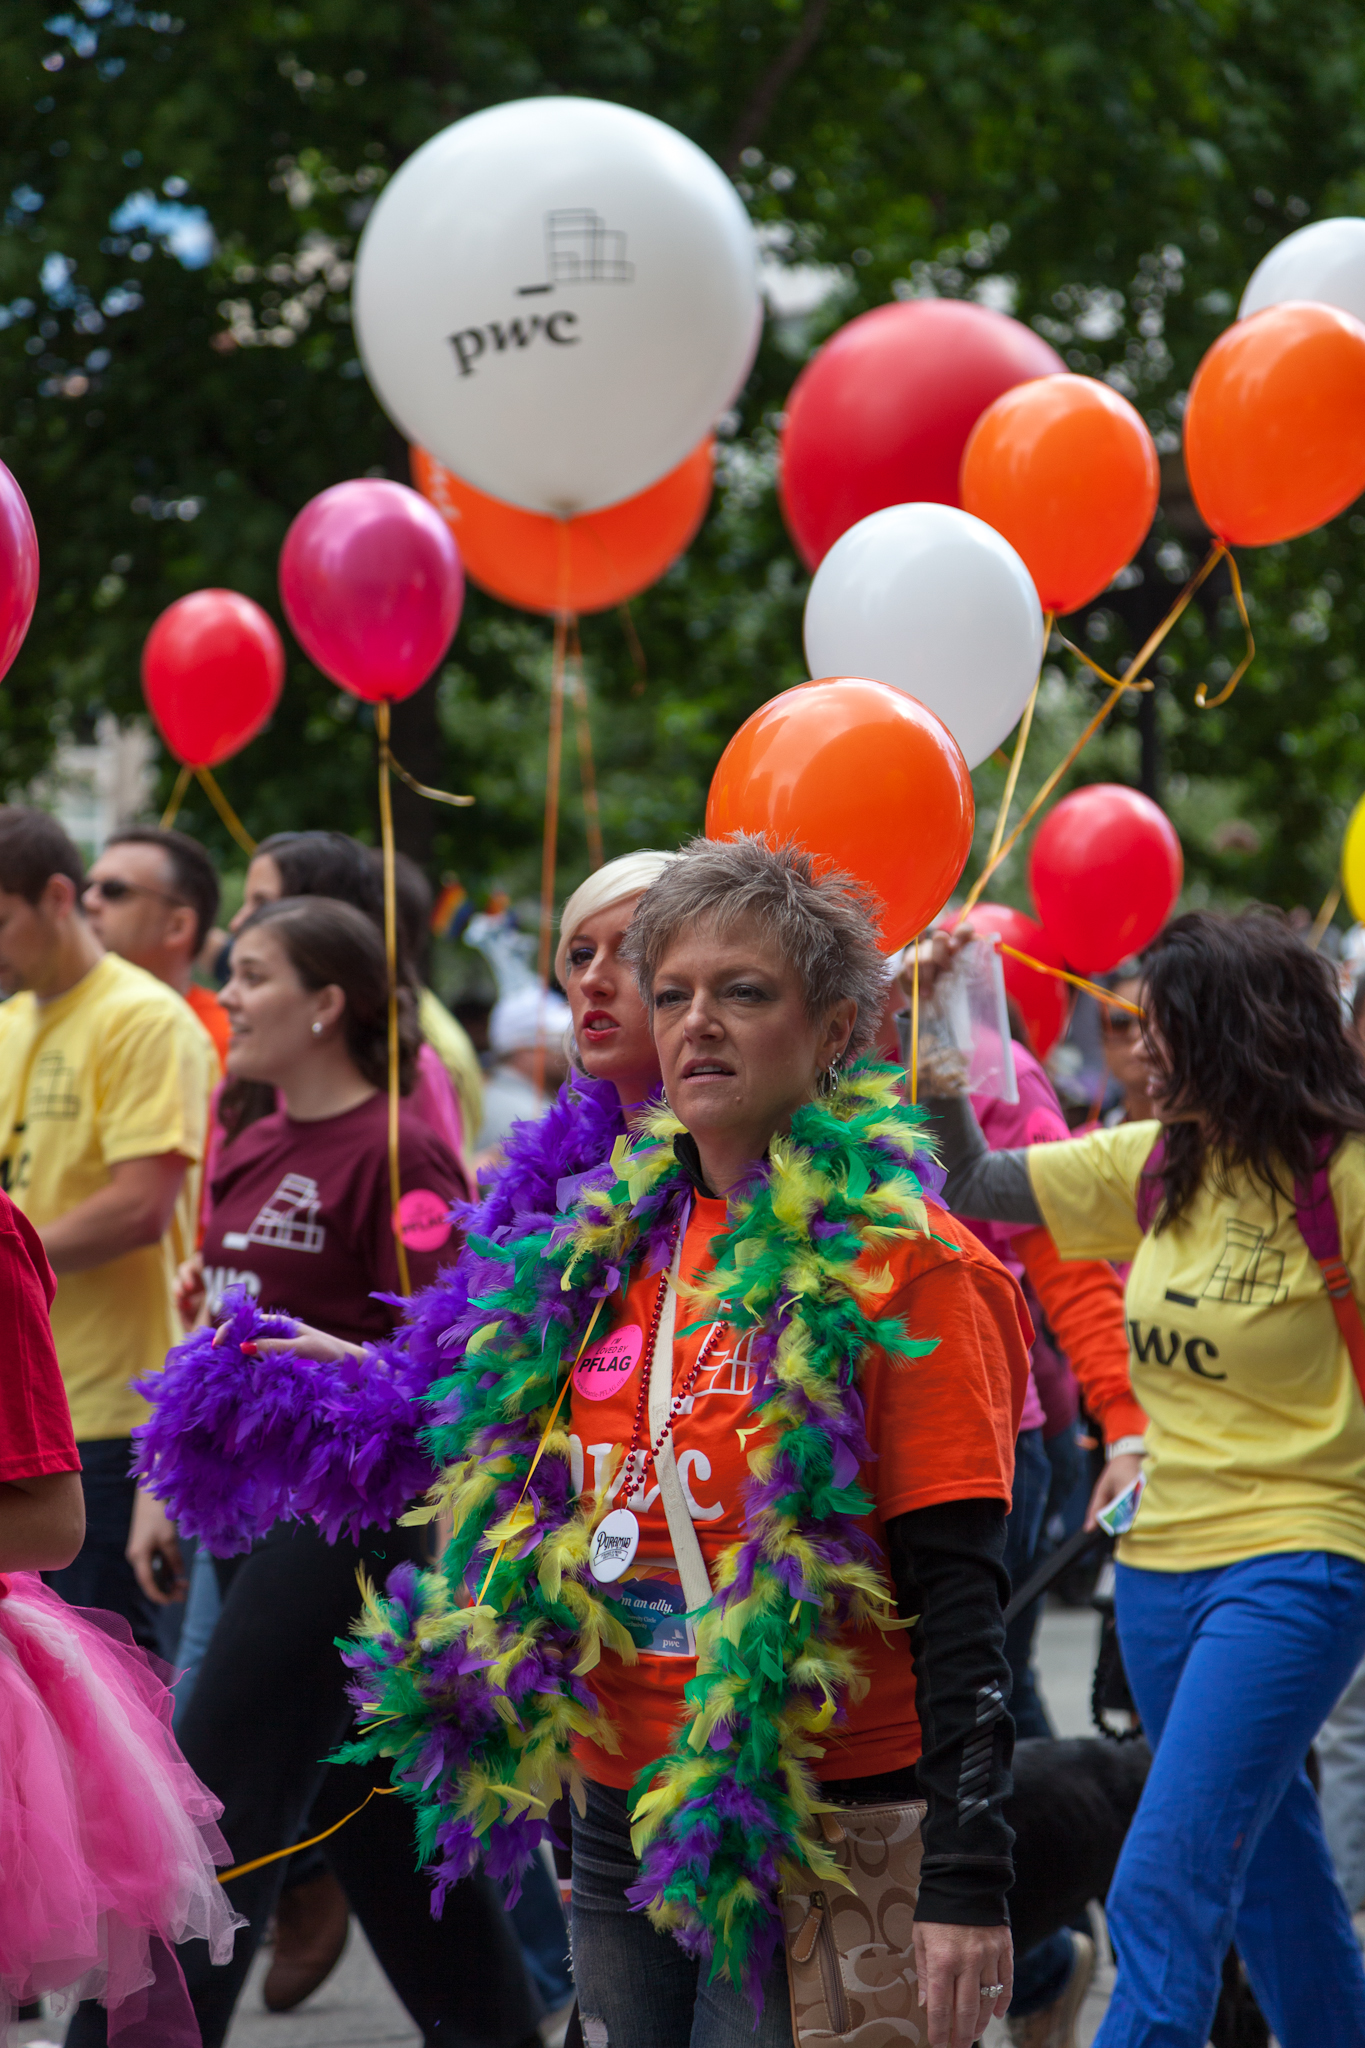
{"x":104,"y":1085}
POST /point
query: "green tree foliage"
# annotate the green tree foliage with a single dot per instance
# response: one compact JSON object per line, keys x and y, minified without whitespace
{"x":178,"y":373}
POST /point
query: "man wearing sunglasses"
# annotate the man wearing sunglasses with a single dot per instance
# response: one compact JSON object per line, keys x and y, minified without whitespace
{"x":104,"y":1090}
{"x":152,"y":897}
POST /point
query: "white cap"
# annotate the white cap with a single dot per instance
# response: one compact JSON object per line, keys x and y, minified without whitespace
{"x":521,"y":1021}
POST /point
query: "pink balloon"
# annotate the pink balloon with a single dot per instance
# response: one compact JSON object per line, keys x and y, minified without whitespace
{"x":371,"y":582}
{"x":18,"y":568}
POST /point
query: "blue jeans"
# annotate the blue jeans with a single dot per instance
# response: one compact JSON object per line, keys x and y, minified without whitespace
{"x":538,"y":1918}
{"x":100,"y":1574}
{"x":203,"y":1605}
{"x":636,"y":1988}
{"x":1233,"y":1671}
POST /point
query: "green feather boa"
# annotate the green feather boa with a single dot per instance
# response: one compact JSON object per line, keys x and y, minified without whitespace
{"x":476,"y":1705}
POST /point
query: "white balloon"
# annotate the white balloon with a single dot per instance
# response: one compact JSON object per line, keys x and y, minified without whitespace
{"x":558,"y":298}
{"x":937,"y":604}
{"x":1324,"y":262}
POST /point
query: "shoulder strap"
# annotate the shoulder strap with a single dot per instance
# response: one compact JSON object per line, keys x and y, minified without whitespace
{"x":1149,"y":1188}
{"x":1316,"y":1215}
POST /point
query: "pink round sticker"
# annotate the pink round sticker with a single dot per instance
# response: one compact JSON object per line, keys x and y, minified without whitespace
{"x":609,"y":1363}
{"x":423,"y":1220}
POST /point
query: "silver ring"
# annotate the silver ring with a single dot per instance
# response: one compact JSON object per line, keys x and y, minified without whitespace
{"x":991,"y":1990}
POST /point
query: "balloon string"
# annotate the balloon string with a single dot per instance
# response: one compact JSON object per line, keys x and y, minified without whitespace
{"x":381,"y":726}
{"x":540,"y":1447}
{"x":1324,"y":916}
{"x":1025,"y":723}
{"x":437,"y":796}
{"x":1091,"y":988}
{"x":1211,"y":704}
{"x":914,"y":1026}
{"x":225,"y":811}
{"x":1127,"y":681}
{"x":550,"y":831}
{"x":587,"y":771}
{"x":637,"y":652}
{"x":172,"y":810}
{"x":259,"y":1862}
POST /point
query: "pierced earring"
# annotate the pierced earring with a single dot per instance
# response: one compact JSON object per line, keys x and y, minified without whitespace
{"x":830,"y":1078}
{"x":317,"y":1029}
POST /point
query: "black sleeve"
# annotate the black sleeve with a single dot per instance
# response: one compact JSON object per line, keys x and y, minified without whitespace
{"x":947,"y":1569}
{"x":993,"y":1186}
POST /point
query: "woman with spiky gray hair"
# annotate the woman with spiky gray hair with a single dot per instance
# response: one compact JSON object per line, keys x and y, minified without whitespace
{"x":790,"y":1432}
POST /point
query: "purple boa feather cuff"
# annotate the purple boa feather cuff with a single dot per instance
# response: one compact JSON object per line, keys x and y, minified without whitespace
{"x":236,"y":1443}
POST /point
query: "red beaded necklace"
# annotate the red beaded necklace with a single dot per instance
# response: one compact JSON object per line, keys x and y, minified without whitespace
{"x":631,"y":1481}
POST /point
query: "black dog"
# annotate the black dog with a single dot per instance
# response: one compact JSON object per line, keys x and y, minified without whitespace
{"x":1070,"y":1810}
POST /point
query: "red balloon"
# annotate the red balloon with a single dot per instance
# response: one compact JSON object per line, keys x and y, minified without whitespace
{"x":212,"y":671}
{"x":882,"y":413}
{"x":18,"y":568}
{"x":1044,"y":1002}
{"x":865,"y":779}
{"x":1105,"y":871}
{"x":372,"y":585}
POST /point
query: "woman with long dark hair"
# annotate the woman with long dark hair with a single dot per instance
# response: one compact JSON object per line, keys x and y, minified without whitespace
{"x":1241,"y":1587}
{"x":333,"y":864}
{"x":302,"y":1220}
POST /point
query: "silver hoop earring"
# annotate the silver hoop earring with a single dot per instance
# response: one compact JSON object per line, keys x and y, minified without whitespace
{"x":830,"y":1079}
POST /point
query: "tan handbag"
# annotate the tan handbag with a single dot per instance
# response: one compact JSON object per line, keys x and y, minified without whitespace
{"x":851,"y":1954}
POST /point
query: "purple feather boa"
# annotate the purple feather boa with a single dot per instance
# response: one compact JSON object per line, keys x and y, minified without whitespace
{"x":236,"y":1443}
{"x":575,"y":1135}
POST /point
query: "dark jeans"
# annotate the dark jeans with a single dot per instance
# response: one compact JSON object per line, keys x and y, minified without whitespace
{"x":1041,"y":1975}
{"x":636,"y":1988}
{"x":1023,"y":1541}
{"x":268,"y":1707}
{"x":100,"y":1575}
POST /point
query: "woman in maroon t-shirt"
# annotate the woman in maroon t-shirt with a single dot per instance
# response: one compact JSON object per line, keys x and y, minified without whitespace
{"x":301,"y":1218}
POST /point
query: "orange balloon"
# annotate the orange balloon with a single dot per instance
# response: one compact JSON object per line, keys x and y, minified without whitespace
{"x":1066,"y":470}
{"x":1275,"y":424}
{"x":864,"y":778}
{"x":587,"y":564}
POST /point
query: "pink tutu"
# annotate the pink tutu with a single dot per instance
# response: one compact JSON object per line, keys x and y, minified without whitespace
{"x":108,"y":1841}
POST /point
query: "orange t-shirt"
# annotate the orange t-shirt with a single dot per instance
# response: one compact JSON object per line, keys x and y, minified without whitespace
{"x":942,"y":1428}
{"x":214,"y":1019}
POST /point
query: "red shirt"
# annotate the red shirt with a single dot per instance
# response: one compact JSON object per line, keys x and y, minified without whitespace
{"x":35,"y":1422}
{"x":942,"y":1428}
{"x":300,"y":1216}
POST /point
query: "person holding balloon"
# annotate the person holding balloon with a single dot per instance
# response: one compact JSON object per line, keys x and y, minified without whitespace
{"x":1240,"y":1590}
{"x":301,"y":1217}
{"x":749,"y":1043}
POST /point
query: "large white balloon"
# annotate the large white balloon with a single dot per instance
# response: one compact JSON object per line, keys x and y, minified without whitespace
{"x":1324,"y":261}
{"x":558,"y":298}
{"x":937,"y":604}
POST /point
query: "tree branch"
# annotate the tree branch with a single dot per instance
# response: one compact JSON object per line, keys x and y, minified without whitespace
{"x":774,"y":82}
